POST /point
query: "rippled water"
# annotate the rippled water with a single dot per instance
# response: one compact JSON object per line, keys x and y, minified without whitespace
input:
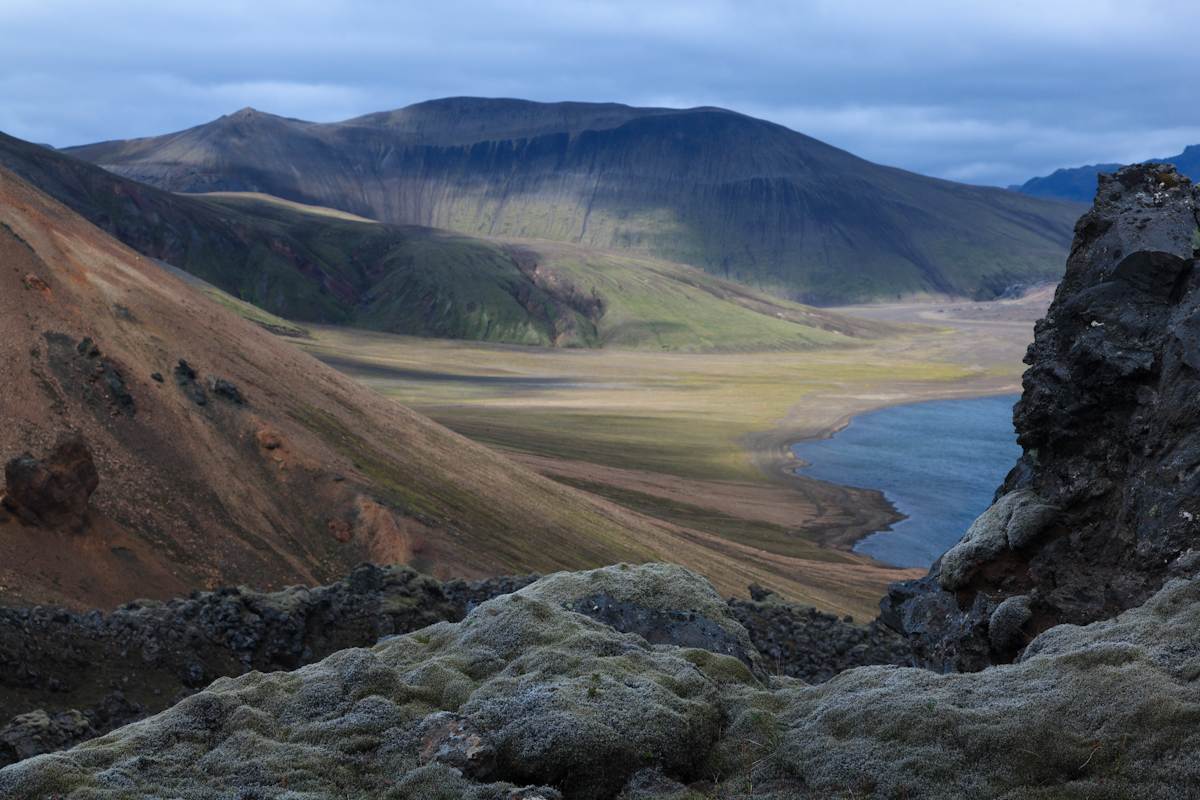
{"x":939,"y":463}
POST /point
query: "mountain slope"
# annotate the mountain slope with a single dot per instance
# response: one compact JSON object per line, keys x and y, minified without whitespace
{"x":738,"y":197}
{"x":276,"y":469}
{"x":317,"y":265}
{"x":1079,"y":183}
{"x":311,"y":475}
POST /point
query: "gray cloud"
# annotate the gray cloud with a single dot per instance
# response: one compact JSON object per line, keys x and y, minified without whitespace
{"x":984,"y":94}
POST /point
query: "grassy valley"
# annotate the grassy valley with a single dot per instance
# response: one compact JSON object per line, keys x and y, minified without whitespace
{"x":694,"y":440}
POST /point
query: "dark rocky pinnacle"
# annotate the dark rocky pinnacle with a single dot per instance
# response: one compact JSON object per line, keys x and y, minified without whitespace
{"x":1104,"y":505}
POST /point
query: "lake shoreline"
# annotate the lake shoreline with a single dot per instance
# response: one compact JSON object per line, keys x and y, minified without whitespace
{"x":939,"y":462}
{"x":770,"y":452}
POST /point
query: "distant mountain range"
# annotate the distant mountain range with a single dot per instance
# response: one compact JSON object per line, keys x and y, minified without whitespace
{"x":743,"y":199}
{"x":312,"y":264}
{"x":1079,"y":183}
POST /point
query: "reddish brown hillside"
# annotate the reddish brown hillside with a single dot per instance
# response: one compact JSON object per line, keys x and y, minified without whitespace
{"x":251,"y":462}
{"x":309,"y":475}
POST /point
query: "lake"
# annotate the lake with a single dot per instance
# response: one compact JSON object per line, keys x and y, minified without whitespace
{"x":939,"y":463}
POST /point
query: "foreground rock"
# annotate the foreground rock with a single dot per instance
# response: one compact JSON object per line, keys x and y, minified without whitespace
{"x":525,"y":698}
{"x":146,"y":656}
{"x":1105,"y":504}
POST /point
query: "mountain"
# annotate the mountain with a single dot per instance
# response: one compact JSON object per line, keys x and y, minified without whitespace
{"x":741,"y":198}
{"x":251,"y":462}
{"x":1079,"y":183}
{"x":314,"y":264}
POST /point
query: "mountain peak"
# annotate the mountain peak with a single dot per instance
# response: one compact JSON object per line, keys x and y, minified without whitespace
{"x":745,"y":199}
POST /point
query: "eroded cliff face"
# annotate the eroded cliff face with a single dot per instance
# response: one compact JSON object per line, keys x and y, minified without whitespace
{"x":1103,"y":506}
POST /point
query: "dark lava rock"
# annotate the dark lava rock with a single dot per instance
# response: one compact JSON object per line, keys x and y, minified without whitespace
{"x":661,"y":626}
{"x":83,"y":371}
{"x":1110,"y":424}
{"x":59,"y":660}
{"x":54,"y":491}
{"x":116,"y":387}
{"x":798,"y":641}
{"x":225,"y":390}
{"x":185,"y":379}
{"x":55,"y":661}
{"x":468,"y":595}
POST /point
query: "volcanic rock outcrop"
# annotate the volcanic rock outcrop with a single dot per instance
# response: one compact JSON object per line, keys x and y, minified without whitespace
{"x":146,"y":656}
{"x":1103,"y":507}
{"x":527,"y":698}
{"x":54,"y":491}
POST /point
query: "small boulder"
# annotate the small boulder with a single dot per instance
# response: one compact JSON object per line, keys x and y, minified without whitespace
{"x":37,"y":732}
{"x":225,"y":390}
{"x":185,"y":378}
{"x":53,"y":492}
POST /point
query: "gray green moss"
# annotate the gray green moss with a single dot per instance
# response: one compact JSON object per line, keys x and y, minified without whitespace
{"x":1104,"y":711}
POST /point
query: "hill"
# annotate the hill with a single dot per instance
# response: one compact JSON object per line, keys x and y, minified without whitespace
{"x":741,"y":198}
{"x":314,"y":264}
{"x":253,"y":462}
{"x":1079,"y":183}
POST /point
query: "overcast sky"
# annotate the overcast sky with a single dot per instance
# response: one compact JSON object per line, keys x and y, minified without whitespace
{"x":991,"y":93}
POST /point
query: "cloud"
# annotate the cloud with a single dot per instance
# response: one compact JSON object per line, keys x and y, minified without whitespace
{"x":992,"y":93}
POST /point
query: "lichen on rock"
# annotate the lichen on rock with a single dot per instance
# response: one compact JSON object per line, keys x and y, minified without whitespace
{"x":1010,"y":523}
{"x":565,"y":704}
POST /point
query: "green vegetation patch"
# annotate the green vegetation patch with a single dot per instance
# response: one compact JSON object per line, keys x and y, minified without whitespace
{"x":688,"y":448}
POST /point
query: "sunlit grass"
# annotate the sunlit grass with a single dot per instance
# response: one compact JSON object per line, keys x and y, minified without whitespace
{"x":679,"y":414}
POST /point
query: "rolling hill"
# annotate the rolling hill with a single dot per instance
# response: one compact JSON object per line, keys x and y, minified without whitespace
{"x":312,"y":264}
{"x":250,"y":461}
{"x":740,"y":198}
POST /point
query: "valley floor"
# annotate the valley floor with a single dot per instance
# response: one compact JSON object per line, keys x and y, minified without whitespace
{"x":701,"y":441}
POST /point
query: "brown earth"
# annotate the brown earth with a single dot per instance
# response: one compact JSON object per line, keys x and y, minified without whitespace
{"x":310,"y":475}
{"x":801,"y":504}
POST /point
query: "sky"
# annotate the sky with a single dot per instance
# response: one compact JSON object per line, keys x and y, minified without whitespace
{"x":980,"y":92}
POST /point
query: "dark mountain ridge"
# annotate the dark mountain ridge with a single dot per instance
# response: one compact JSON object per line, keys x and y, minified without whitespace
{"x":1079,"y":183}
{"x":742,"y":198}
{"x":312,"y":265}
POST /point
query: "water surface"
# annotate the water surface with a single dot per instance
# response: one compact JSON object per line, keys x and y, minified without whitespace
{"x":939,"y":463}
